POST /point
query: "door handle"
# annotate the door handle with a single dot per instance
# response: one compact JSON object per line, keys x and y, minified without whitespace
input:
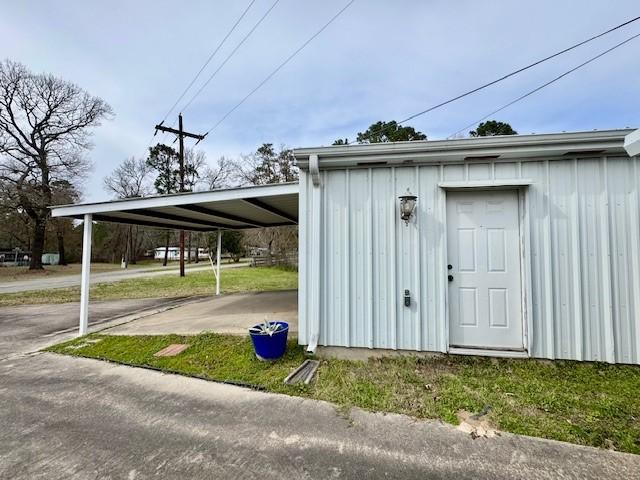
{"x":450,"y":278}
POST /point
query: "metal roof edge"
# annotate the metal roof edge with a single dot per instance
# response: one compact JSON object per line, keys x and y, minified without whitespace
{"x":176,"y":199}
{"x":535,"y":144}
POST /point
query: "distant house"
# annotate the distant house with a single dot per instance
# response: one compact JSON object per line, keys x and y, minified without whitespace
{"x":50,"y":258}
{"x":14,"y":258}
{"x":174,"y":253}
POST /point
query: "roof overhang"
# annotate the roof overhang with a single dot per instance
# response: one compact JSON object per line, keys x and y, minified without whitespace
{"x":584,"y":144}
{"x":233,"y":209}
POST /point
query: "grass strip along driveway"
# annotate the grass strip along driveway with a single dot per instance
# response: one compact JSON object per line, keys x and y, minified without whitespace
{"x":585,"y":403}
{"x":243,"y":279}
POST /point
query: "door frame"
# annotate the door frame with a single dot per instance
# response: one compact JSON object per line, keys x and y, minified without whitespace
{"x":521,"y":186}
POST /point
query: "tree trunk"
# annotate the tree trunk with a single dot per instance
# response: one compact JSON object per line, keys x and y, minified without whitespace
{"x":39,"y":228}
{"x":133,"y":248}
{"x":166,"y":250}
{"x":189,"y":248}
{"x":127,"y":248}
{"x":62,"y":259}
{"x":197,"y":248}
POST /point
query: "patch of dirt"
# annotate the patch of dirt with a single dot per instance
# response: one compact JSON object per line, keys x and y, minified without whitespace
{"x":476,"y":425}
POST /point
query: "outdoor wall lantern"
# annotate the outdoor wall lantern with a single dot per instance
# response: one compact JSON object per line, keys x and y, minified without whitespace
{"x":407,"y":206}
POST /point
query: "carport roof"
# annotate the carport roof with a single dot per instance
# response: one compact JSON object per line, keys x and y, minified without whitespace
{"x":233,"y":208}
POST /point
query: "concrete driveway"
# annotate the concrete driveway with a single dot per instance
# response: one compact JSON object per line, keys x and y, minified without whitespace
{"x":232,"y":313}
{"x":27,"y":328}
{"x":65,"y":417}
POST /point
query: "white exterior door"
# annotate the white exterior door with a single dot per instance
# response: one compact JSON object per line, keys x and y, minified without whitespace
{"x":483,"y":245}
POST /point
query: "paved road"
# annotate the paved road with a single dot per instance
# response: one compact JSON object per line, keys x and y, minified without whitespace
{"x":65,"y":281}
{"x":66,"y":417}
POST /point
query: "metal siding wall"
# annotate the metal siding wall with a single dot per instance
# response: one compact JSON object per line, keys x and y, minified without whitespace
{"x":406,"y":270}
{"x":335,"y":320}
{"x":539,"y":262}
{"x":584,"y":233}
{"x":594,"y":256}
{"x":383,"y":281}
{"x":625,"y":247}
{"x":359,"y":239}
{"x":431,"y":259}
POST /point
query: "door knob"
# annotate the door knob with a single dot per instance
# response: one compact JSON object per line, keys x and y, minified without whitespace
{"x":449,"y":267}
{"x":450,"y":277}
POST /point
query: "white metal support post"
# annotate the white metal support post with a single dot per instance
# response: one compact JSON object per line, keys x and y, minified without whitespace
{"x":218,"y":255}
{"x":86,"y":272}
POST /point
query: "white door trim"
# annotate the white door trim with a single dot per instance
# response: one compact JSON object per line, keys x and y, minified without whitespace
{"x":525,"y":258}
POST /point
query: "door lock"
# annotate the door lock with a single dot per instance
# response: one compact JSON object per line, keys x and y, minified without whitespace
{"x":449,"y":267}
{"x":407,"y":298}
{"x":450,"y":278}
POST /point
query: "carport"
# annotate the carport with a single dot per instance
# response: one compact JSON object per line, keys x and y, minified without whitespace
{"x":228,"y":209}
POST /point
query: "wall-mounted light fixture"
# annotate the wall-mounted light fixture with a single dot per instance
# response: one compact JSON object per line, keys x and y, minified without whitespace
{"x":407,"y":206}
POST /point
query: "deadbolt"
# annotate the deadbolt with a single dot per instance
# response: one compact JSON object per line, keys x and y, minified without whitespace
{"x":449,"y":267}
{"x":450,"y":277}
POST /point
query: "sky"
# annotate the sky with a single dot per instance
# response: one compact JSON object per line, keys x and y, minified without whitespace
{"x":379,"y":60}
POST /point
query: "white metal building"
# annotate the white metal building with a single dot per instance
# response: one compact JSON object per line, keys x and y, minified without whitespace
{"x":521,"y":246}
{"x":526,"y":245}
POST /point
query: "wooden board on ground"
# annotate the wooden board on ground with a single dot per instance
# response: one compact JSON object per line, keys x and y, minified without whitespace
{"x":172,"y":350}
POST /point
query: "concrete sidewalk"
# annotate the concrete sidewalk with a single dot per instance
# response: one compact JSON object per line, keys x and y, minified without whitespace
{"x":232,"y":314}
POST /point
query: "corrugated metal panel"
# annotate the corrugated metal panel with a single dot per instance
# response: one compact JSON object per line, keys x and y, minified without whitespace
{"x":584,"y":232}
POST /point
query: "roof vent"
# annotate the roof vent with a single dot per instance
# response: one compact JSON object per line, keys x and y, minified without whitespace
{"x":583,"y":153}
{"x":478,"y":158}
{"x":370,"y":164}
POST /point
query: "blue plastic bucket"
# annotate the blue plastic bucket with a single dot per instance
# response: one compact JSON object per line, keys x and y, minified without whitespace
{"x":270,"y":347}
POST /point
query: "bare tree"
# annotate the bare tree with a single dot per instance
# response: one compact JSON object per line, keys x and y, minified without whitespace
{"x":219,"y":175}
{"x":195,"y":164}
{"x":266,"y":166}
{"x":132,"y":178}
{"x":44,"y":129}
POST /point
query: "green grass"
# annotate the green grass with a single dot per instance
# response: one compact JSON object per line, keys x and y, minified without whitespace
{"x":242,"y":279}
{"x":585,"y":403}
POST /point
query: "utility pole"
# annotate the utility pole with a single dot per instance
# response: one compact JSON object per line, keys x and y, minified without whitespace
{"x":180,"y":134}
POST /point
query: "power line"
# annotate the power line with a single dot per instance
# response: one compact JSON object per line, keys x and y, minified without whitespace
{"x":200,"y":72}
{"x":515,"y":72}
{"x":209,"y":59}
{"x":230,"y":55}
{"x":520,"y":70}
{"x":279,"y":67}
{"x":537,"y":89}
